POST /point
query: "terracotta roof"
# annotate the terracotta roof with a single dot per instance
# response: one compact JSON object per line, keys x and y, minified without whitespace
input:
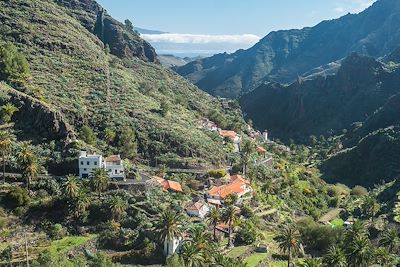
{"x":226,"y":190}
{"x":229,"y":134}
{"x":261,"y":150}
{"x":239,"y":178}
{"x":214,"y":201}
{"x":168,"y":185}
{"x":172,"y":185}
{"x":113,"y":158}
{"x":196,"y":206}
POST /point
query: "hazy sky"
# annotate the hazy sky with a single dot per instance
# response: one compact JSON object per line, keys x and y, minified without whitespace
{"x":194,"y":21}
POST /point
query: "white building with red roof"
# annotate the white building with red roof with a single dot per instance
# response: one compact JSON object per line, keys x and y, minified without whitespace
{"x":198,"y":209}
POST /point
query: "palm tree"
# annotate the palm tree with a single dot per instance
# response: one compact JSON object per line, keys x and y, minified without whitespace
{"x":162,"y":170}
{"x":71,"y":187}
{"x":311,"y":263}
{"x":229,"y":216}
{"x":109,"y":135}
{"x":81,"y":203}
{"x":221,"y":261}
{"x":169,"y":225}
{"x":248,"y":147}
{"x":7,"y":111}
{"x":199,"y":236}
{"x":5,"y":147}
{"x":358,"y":229}
{"x":30,"y":172}
{"x":335,"y":257}
{"x":25,"y":154}
{"x":100,"y":180}
{"x":214,"y":218}
{"x":390,"y":238}
{"x":360,"y":252}
{"x":118,"y":207}
{"x":191,"y":255}
{"x":288,"y":240}
{"x":383,"y":257}
{"x":370,"y":206}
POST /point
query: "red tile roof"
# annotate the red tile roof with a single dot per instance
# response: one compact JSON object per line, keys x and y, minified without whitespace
{"x":239,"y":178}
{"x":229,"y":134}
{"x":168,"y":185}
{"x":261,"y":150}
{"x":113,"y":158}
{"x":196,"y":206}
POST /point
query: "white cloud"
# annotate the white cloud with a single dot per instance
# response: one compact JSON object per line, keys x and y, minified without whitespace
{"x":201,"y":38}
{"x":339,"y":10}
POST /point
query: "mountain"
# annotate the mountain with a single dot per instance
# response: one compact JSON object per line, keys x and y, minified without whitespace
{"x":146,"y":31}
{"x":324,"y":104}
{"x":282,"y":56}
{"x":90,"y":70}
{"x":171,"y":61}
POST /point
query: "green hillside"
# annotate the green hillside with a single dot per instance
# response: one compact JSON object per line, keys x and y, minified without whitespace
{"x":90,"y":82}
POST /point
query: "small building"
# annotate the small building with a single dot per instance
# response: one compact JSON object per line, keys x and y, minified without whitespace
{"x":261,"y":151}
{"x":168,"y":185}
{"x":265,"y":135}
{"x":171,"y":246}
{"x":88,"y":163}
{"x":232,"y":135}
{"x":198,"y":209}
{"x":238,"y":186}
{"x":115,"y":168}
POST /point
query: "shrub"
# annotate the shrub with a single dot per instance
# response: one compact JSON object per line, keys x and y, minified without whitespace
{"x":359,"y":191}
{"x":87,"y":135}
{"x":247,"y":234}
{"x":16,"y":197}
{"x":217,"y":173}
{"x":56,"y":231}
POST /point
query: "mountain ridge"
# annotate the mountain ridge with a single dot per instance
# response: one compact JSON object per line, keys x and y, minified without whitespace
{"x":282,"y":56}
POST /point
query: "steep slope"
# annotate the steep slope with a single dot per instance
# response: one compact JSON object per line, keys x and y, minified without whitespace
{"x":323,"y":104}
{"x":283,"y":55}
{"x":101,"y":78}
{"x":374,"y":159}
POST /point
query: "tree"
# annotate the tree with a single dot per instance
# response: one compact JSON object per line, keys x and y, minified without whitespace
{"x":87,"y":135}
{"x":14,"y":67}
{"x":100,"y":180}
{"x":383,"y":257}
{"x":191,"y":255}
{"x":117,"y":207}
{"x":390,"y":239}
{"x":311,"y":263}
{"x":164,"y":108}
{"x":109,"y":135}
{"x":127,"y":143}
{"x":288,"y":241}
{"x":129,"y":26}
{"x":71,"y":187}
{"x":5,"y":148}
{"x":360,"y":252}
{"x":31,"y":171}
{"x":80,"y":204}
{"x":169,"y":226}
{"x":229,"y":216}
{"x":214,"y":218}
{"x":335,"y":257}
{"x":7,"y":111}
{"x":162,"y":170}
{"x":370,"y":206}
{"x":358,"y":229}
{"x":247,"y":148}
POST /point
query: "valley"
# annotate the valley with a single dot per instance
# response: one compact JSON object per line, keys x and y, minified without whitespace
{"x":284,"y":154}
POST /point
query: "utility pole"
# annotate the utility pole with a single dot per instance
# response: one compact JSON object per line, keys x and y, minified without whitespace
{"x":26,"y":250}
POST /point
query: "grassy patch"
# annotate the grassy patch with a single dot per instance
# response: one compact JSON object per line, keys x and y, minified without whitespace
{"x":237,"y":251}
{"x":278,"y":264}
{"x":337,"y":222}
{"x":255,"y":259}
{"x":68,"y":243}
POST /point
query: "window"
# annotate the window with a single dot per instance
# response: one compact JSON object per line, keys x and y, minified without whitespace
{"x":87,"y":163}
{"x":95,"y":163}
{"x":116,"y":172}
{"x":81,"y":162}
{"x":84,"y":169}
{"x":109,"y":170}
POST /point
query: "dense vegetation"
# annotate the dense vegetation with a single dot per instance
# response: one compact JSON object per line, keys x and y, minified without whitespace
{"x":91,"y":85}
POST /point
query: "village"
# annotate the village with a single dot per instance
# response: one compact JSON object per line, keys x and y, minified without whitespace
{"x":221,"y":188}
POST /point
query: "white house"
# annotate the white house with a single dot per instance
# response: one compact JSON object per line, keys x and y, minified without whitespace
{"x":171,"y":246}
{"x":265,"y":135}
{"x":198,"y":209}
{"x":114,"y":167}
{"x":89,"y":162}
{"x":112,"y":164}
